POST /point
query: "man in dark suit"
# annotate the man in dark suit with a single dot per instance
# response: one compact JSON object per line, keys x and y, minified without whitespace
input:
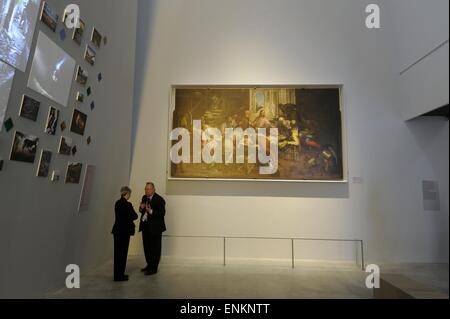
{"x":152,"y":225}
{"x":123,"y":228}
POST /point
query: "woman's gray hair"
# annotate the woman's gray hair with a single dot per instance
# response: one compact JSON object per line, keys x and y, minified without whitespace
{"x":124,"y":191}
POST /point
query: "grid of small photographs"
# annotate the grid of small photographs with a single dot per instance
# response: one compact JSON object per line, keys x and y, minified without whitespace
{"x":25,"y":146}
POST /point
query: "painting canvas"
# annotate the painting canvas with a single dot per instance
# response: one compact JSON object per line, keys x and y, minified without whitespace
{"x":29,"y":108}
{"x":6,"y":79}
{"x":52,"y":71}
{"x":49,"y":17}
{"x":24,"y":148}
{"x":73,"y":174}
{"x":79,"y":120}
{"x":17,"y":24}
{"x":267,"y":133}
{"x":44,"y":164}
{"x":52,"y":121}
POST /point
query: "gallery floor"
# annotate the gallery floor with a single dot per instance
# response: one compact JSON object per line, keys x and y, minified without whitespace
{"x":197,"y":280}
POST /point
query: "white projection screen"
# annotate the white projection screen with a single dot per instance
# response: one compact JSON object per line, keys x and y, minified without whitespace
{"x":52,"y":71}
{"x":17,"y":23}
{"x":6,"y":78}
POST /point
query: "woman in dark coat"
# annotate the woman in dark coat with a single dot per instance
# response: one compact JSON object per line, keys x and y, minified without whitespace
{"x":123,"y":229}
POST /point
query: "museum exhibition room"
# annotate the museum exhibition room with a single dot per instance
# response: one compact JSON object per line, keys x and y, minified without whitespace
{"x":224,"y":149}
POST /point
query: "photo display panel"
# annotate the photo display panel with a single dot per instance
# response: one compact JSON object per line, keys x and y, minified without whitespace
{"x":6,"y":79}
{"x":52,"y":71}
{"x":17,"y":24}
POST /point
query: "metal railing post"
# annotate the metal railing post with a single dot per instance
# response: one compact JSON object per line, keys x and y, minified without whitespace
{"x":293,"y":257}
{"x":363,"y":266}
{"x":224,"y":251}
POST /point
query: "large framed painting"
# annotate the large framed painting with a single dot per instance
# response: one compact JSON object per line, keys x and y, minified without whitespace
{"x":262,"y":133}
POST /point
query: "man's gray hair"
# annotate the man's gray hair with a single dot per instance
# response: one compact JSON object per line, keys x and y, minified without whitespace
{"x":150,"y":183}
{"x":124,"y":191}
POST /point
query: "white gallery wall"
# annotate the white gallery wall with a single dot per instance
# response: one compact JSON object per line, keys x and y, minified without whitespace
{"x":290,"y":42}
{"x":421,"y":31}
{"x":41,"y":231}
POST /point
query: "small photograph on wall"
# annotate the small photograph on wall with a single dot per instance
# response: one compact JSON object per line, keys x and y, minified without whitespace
{"x":82,"y":76}
{"x":96,"y":38}
{"x":79,"y":120}
{"x":73,"y":175}
{"x":80,"y":97}
{"x":55,"y":176}
{"x":29,"y":108}
{"x":78,"y":33}
{"x":89,"y":55}
{"x":65,"y":146}
{"x":49,"y":17}
{"x":52,"y":121}
{"x":24,"y":148}
{"x":44,"y":164}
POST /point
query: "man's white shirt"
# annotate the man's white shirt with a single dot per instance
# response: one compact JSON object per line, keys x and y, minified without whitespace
{"x":145,"y":216}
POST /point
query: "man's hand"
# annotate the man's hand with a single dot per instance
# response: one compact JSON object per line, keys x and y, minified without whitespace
{"x":149,"y":208}
{"x":142,"y":206}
